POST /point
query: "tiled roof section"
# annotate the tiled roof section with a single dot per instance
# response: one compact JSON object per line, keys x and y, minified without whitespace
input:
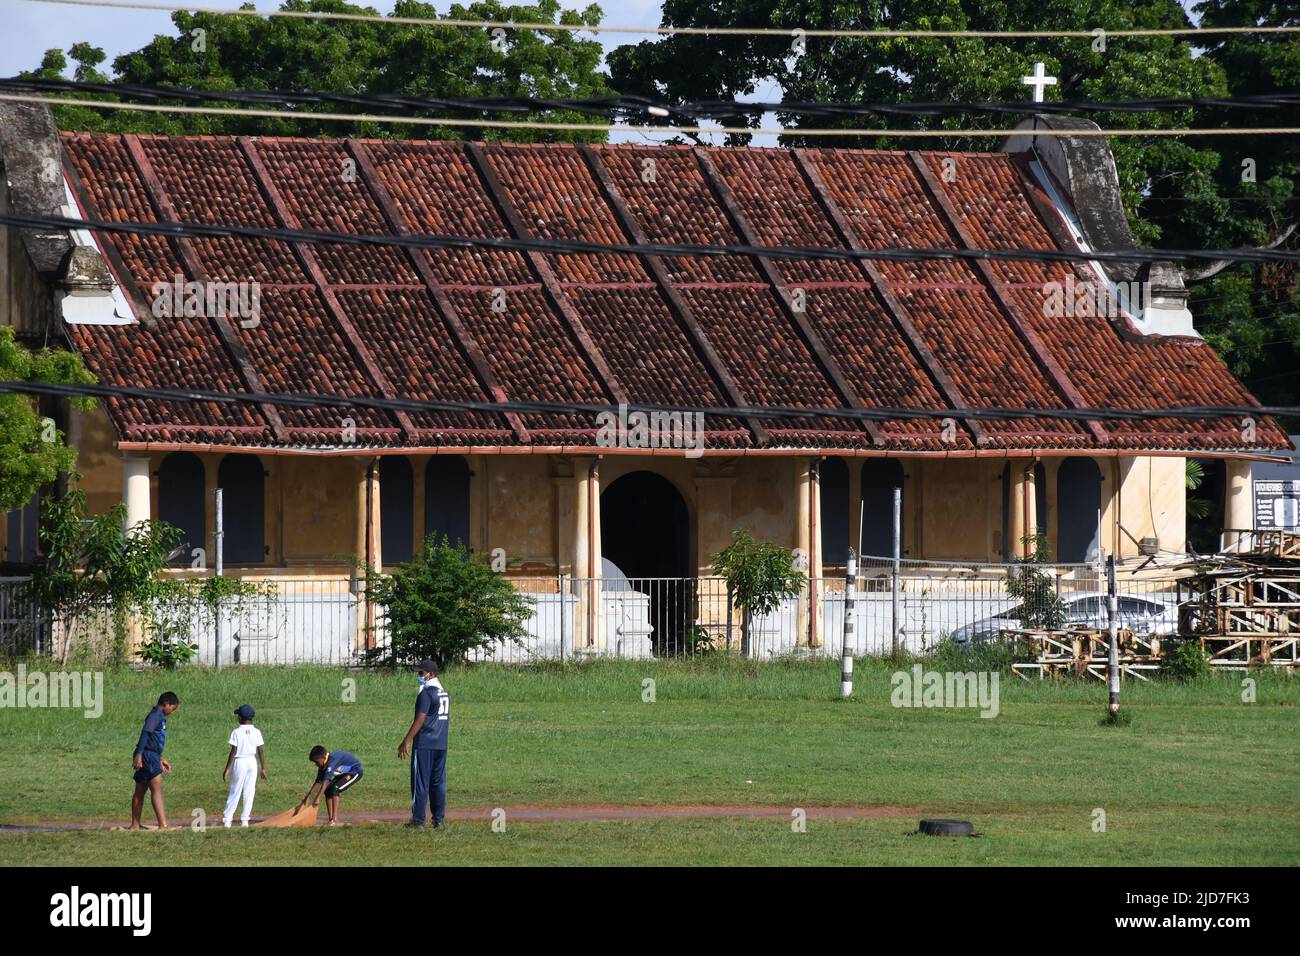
{"x":482,"y":325}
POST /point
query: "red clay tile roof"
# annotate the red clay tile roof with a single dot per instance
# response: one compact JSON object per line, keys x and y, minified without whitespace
{"x":599,"y":328}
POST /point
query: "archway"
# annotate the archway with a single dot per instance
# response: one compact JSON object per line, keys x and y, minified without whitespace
{"x":1078,"y":501}
{"x":243,"y":500}
{"x":396,"y":504}
{"x":645,"y":533}
{"x":835,"y":511}
{"x":1207,"y":479}
{"x":180,"y":500}
{"x":446,"y":499}
{"x":880,"y":476}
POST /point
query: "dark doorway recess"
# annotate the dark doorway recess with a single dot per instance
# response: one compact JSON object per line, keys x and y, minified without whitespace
{"x":1078,"y":498}
{"x":396,"y":510}
{"x":446,"y":499}
{"x":180,"y":501}
{"x":243,"y":505}
{"x":880,"y":476}
{"x":645,"y":533}
{"x":835,"y":511}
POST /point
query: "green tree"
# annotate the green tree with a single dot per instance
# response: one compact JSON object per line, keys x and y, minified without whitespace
{"x":32,"y":449}
{"x":445,"y":605}
{"x":1176,"y":191}
{"x":232,"y":53}
{"x":760,"y":575}
{"x":95,"y":565}
{"x":1040,"y":605}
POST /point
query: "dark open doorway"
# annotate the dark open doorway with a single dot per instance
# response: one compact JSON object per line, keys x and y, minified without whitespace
{"x":645,"y":533}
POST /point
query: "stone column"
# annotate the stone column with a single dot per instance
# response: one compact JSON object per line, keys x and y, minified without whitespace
{"x":588,"y":624}
{"x":1238,"y":504}
{"x":807,"y":533}
{"x":136,"y":495}
{"x":1016,"y":525}
{"x":135,"y":489}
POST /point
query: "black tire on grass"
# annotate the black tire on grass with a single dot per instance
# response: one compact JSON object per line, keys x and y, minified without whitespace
{"x":947,"y":827}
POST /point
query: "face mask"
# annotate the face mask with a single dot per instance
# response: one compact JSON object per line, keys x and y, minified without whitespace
{"x":422,"y":683}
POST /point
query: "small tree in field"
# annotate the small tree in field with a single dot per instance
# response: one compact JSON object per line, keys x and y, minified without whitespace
{"x":445,"y":604}
{"x":1040,"y":605}
{"x":760,"y":575}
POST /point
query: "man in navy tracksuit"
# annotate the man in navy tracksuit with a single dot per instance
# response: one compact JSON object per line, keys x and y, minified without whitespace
{"x":429,"y":734}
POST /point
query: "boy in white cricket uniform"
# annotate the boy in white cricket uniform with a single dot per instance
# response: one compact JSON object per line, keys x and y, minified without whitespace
{"x":246,"y":759}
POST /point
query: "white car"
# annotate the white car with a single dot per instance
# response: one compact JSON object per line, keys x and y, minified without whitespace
{"x":1141,"y":615}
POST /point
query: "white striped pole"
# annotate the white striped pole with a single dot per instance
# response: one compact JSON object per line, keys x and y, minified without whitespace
{"x":850,"y":587}
{"x":1112,"y":637}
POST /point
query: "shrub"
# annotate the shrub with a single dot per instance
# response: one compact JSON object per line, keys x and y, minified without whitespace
{"x":759,"y":577}
{"x":1185,"y":661}
{"x":446,"y":604}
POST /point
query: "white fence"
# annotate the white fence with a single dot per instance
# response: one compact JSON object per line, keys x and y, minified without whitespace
{"x":328,"y":620}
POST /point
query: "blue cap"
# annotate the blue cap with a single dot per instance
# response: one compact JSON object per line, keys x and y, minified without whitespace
{"x":245,"y":711}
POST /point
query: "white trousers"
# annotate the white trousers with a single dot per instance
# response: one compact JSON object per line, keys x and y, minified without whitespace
{"x":243,"y":781}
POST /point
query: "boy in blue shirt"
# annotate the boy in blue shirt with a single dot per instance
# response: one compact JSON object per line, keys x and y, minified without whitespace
{"x":336,"y":771}
{"x":148,"y":760}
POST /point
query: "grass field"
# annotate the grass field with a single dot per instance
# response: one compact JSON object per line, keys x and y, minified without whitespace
{"x":1197,"y":778}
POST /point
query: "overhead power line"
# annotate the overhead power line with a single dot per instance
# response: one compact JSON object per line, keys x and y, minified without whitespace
{"x":639,"y":106}
{"x":561,"y":246}
{"x":787,"y":32}
{"x":606,"y":128}
{"x":327,"y":400}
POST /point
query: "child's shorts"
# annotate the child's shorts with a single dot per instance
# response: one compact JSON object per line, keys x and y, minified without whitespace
{"x":151,"y":766}
{"x":341,"y":783}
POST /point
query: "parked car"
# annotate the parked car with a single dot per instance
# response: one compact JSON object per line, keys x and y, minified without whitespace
{"x":1142,"y":615}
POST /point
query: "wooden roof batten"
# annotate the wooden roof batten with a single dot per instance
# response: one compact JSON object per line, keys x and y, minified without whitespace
{"x":542,"y":269}
{"x":893,"y":306}
{"x":306,"y":257}
{"x":1033,"y":342}
{"x":184,"y":247}
{"x":668,"y":289}
{"x":447,"y":310}
{"x":821,"y":354}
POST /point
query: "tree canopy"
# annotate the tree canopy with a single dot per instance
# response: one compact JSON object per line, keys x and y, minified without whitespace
{"x":32,"y":449}
{"x":215,"y":52}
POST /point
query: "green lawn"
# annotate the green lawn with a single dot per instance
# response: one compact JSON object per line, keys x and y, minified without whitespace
{"x":1198,"y":777}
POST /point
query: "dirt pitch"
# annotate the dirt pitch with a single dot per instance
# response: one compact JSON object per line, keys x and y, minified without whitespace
{"x":594,"y":812}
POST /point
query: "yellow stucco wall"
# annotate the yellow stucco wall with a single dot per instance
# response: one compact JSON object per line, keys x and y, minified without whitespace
{"x":525,"y":504}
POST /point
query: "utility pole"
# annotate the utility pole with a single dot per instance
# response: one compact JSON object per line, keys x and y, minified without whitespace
{"x":1112,"y":652}
{"x":850,"y":592}
{"x":220,"y":535}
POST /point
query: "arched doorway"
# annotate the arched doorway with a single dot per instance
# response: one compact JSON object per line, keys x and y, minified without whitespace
{"x":834,"y":478}
{"x":180,"y":500}
{"x":396,"y":504}
{"x":446,"y":499}
{"x":243,"y":501}
{"x":1206,"y":480}
{"x":1078,"y":501}
{"x":880,"y":476}
{"x":645,"y":534}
